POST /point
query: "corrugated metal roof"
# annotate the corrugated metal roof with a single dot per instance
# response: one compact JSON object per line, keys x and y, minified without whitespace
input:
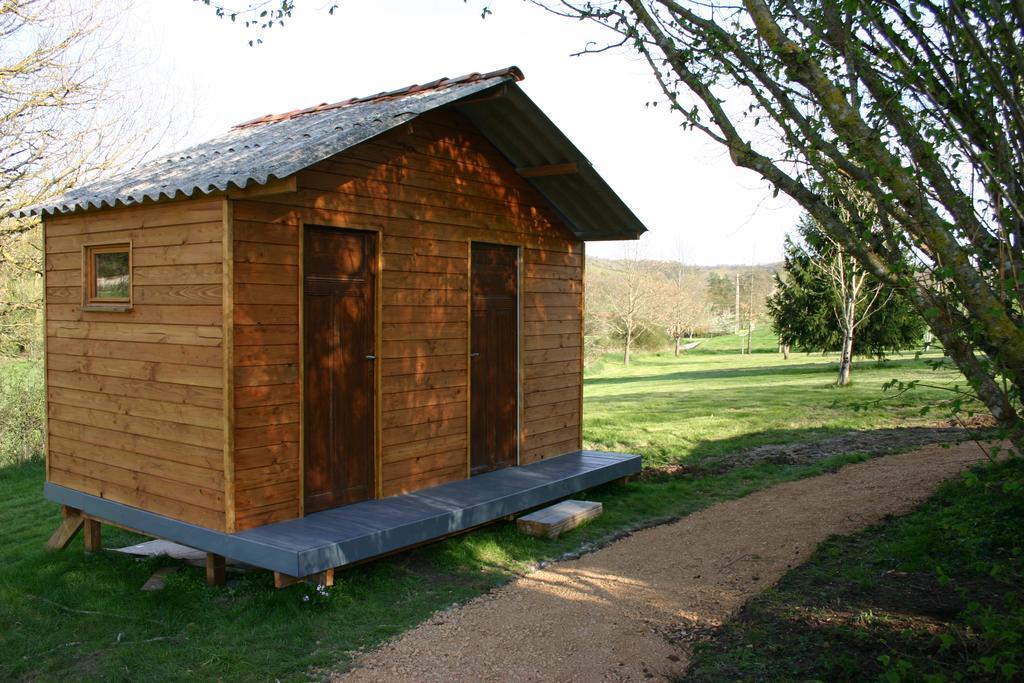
{"x":277,"y":146}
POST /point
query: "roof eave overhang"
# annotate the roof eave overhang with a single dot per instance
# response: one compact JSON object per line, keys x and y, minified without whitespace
{"x":269,"y":185}
{"x":551,"y":163}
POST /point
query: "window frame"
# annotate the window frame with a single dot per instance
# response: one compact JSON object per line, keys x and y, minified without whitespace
{"x":90,"y":302}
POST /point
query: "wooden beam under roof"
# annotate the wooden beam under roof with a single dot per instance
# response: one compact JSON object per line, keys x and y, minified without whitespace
{"x":278,"y":186}
{"x":548,"y":170}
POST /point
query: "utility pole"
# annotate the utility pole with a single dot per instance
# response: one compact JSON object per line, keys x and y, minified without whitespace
{"x":750,"y":312}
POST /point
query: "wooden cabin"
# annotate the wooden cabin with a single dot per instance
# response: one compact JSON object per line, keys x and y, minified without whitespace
{"x":340,"y":310}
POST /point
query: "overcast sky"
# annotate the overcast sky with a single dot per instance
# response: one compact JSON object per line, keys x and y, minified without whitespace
{"x":695,"y":203}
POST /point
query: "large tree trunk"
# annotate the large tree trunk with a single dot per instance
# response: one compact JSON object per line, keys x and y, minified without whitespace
{"x":846,"y":361}
{"x":978,"y":376}
{"x":626,"y":348}
{"x":678,"y":342}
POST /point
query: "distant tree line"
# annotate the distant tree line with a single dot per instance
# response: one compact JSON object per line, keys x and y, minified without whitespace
{"x":819,"y":300}
{"x":637,"y":303}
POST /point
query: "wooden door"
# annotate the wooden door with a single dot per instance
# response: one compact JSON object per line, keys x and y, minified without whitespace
{"x":339,"y":268}
{"x":494,"y":357}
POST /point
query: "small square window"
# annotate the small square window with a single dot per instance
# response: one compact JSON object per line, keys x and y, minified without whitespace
{"x":108,"y":276}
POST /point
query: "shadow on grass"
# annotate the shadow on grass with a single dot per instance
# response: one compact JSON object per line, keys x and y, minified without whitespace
{"x":800,"y":446}
{"x":721,"y":351}
{"x":808,"y":368}
{"x":793,"y":446}
{"x":710,"y":448}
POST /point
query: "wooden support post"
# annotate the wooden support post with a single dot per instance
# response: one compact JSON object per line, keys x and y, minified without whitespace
{"x":67,"y":530}
{"x":324,"y":578}
{"x":284,"y":580}
{"x":93,"y":539}
{"x":621,"y":481}
{"x":214,"y":569}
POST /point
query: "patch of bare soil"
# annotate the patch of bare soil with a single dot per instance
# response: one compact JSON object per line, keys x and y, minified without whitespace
{"x":632,"y":610}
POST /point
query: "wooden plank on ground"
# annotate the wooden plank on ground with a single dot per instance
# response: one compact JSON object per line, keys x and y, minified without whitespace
{"x":553,"y":521}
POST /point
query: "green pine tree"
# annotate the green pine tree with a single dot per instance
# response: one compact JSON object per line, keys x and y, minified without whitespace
{"x":807,"y":308}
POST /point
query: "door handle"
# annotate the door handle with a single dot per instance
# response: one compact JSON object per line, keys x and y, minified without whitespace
{"x":371,"y":357}
{"x":474,"y":355}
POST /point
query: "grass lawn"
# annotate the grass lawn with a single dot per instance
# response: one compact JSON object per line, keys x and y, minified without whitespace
{"x":934,"y":596}
{"x":66,"y":614}
{"x":712,"y":401}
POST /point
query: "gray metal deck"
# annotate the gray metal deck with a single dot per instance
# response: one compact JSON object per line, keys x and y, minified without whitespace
{"x":341,"y":536}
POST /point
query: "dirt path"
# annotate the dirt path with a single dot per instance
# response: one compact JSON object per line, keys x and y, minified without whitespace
{"x":626,"y":612}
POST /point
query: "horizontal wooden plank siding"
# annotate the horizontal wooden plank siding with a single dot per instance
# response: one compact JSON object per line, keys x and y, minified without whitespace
{"x":266,"y":373}
{"x":552,"y":353}
{"x":145,"y":404}
{"x":429,"y":188}
{"x":134,"y":398}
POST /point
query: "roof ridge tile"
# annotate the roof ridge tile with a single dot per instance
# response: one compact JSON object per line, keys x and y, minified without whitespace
{"x":444,"y":82}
